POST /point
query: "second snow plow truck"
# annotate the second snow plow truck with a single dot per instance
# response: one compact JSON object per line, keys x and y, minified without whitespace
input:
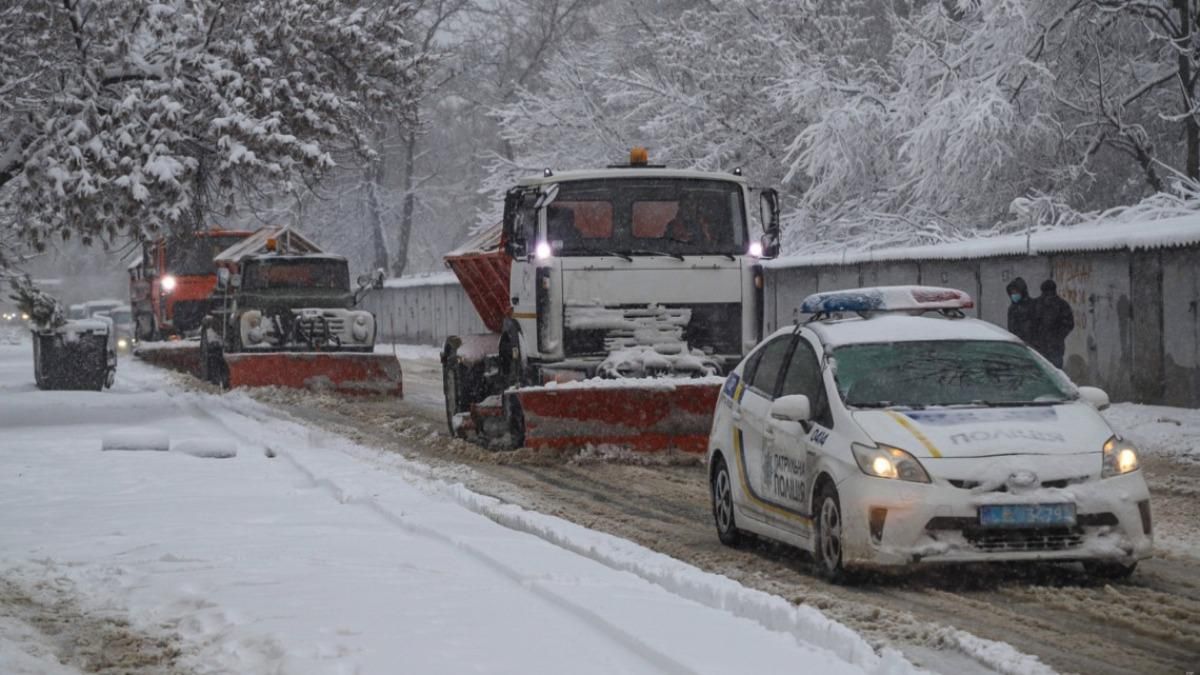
{"x":284,"y":314}
{"x":617,"y":298}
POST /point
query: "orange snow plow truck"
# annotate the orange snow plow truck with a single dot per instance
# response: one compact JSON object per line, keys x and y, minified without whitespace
{"x":617,"y":299}
{"x":283,"y":313}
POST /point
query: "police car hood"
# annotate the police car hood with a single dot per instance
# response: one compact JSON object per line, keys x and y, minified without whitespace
{"x":1067,"y":429}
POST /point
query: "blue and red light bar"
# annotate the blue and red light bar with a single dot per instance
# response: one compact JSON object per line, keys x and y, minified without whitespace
{"x":887,"y":299}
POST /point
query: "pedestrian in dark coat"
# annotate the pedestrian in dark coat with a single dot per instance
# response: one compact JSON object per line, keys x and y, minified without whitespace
{"x":1053,"y":322}
{"x":1021,"y":311}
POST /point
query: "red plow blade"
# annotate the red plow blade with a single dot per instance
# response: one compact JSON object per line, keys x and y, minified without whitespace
{"x":641,"y":418}
{"x":343,"y":372}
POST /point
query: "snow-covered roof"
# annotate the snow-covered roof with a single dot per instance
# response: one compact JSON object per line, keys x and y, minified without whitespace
{"x":1132,"y":236}
{"x":904,"y":328}
{"x":630,"y":172}
{"x":286,"y":239}
{"x":431,"y":279}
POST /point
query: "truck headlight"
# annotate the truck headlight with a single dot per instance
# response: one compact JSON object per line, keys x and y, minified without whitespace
{"x":361,"y":329}
{"x":122,"y":343}
{"x":168,"y":283}
{"x":1120,"y":456}
{"x":885,"y":461}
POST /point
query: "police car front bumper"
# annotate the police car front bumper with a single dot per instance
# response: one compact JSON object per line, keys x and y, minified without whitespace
{"x":897,"y":523}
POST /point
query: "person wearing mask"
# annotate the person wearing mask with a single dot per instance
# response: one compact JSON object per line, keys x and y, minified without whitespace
{"x":1053,"y":322}
{"x":1021,"y":310}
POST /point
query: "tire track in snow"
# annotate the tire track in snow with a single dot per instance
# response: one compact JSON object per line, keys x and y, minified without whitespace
{"x":246,"y":424}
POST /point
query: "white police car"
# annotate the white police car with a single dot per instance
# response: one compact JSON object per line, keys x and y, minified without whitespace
{"x":890,"y":430}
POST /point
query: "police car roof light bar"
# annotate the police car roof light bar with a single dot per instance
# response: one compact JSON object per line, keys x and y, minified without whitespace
{"x":888,"y":299}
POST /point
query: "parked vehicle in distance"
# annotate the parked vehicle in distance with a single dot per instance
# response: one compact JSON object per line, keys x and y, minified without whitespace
{"x":171,"y":284}
{"x":890,"y":430}
{"x":122,"y":318}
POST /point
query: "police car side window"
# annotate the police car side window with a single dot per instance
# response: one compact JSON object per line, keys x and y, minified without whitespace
{"x":770,"y":365}
{"x":804,"y":377}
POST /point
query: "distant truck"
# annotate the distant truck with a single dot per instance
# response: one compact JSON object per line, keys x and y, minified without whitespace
{"x":170,"y":286}
{"x":284,"y":314}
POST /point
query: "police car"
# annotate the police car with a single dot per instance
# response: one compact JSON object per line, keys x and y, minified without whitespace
{"x":889,"y":430}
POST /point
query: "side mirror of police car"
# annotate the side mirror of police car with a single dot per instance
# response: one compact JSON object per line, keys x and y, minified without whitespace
{"x":793,"y":408}
{"x":1094,"y":397}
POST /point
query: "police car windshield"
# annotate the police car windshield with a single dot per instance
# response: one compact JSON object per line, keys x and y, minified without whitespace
{"x":946,"y":372}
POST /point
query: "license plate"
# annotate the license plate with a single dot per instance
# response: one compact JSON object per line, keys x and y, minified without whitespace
{"x":1027,"y":515}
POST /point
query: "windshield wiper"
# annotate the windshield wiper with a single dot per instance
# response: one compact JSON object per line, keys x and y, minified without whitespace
{"x":1017,"y":404}
{"x":642,"y":251}
{"x":618,"y":254}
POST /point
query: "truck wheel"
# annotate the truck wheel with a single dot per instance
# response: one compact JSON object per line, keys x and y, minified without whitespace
{"x":212,"y":362}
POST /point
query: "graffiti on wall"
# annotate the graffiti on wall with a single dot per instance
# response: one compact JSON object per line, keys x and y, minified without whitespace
{"x":1073,"y":278}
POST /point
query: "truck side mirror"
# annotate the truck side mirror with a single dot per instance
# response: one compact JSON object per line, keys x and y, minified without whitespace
{"x":768,"y":209}
{"x":235,"y":281}
{"x":222,"y":279}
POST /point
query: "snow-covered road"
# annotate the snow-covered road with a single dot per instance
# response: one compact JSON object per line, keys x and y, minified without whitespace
{"x":308,"y":554}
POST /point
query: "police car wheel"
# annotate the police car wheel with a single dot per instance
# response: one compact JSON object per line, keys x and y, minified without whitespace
{"x":827,"y":549}
{"x":1108,"y":571}
{"x":722,"y":500}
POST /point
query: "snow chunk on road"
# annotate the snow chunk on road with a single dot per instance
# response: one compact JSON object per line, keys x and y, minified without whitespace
{"x":136,"y":438}
{"x":209,"y":448}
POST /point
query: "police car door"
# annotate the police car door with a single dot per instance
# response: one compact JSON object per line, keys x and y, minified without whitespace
{"x":751,"y":416}
{"x":792,"y":447}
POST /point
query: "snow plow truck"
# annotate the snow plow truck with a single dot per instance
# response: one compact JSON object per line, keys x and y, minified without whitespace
{"x":283,"y":314}
{"x":616,"y":299}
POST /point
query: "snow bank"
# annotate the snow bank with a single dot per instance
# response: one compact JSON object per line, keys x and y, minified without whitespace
{"x":654,"y":383}
{"x":407,"y":352}
{"x":210,"y":448}
{"x":141,"y":438}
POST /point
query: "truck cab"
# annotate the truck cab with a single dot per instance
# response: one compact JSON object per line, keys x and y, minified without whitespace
{"x":635,"y":270}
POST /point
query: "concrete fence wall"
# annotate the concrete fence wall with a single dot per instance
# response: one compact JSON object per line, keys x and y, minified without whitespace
{"x":423,"y":314}
{"x":1137,"y":324}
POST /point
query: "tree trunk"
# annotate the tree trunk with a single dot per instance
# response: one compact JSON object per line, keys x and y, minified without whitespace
{"x":406,"y":219}
{"x":375,"y":216}
{"x":1188,"y":84}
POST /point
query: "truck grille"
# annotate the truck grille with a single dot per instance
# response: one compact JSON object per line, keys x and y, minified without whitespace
{"x":715,"y":328}
{"x":320,"y":327}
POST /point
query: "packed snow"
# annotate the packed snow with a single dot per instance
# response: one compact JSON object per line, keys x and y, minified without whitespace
{"x":305,"y":553}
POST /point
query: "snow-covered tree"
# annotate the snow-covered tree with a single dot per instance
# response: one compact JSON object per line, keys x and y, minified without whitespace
{"x":135,"y":117}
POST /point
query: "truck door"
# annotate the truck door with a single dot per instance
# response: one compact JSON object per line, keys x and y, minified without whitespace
{"x":751,"y":419}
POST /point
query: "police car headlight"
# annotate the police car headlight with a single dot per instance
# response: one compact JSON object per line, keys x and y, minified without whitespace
{"x":887,"y":462}
{"x":1120,"y":456}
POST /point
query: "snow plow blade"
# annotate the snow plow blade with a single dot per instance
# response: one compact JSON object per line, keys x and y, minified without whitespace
{"x":341,"y":372}
{"x":643,"y":418}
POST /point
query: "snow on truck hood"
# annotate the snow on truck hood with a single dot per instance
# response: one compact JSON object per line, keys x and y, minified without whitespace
{"x":954,"y":433}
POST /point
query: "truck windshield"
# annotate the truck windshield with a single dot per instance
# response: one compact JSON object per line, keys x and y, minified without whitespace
{"x":193,"y":255}
{"x":296,"y":273}
{"x":647,"y":216}
{"x":946,"y":372}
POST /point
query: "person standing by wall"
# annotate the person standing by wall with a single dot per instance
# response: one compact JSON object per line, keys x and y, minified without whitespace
{"x":1021,"y":311}
{"x":1053,"y":321}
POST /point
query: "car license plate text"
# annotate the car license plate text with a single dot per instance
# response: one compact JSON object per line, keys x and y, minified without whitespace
{"x":1027,"y":515}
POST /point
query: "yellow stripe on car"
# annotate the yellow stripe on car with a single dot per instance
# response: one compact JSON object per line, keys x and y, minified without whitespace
{"x":912,"y":429}
{"x":786,"y":513}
